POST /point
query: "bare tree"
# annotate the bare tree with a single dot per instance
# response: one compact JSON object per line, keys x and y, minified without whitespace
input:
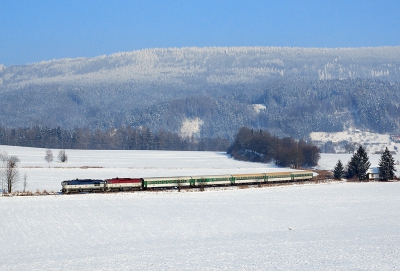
{"x":3,"y":156}
{"x":49,"y":156}
{"x":25,"y":181}
{"x":350,"y":147}
{"x":62,"y":156}
{"x":10,"y":174}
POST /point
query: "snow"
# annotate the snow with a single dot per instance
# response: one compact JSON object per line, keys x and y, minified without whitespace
{"x":333,"y":226}
{"x":87,"y":164}
{"x":232,"y":65}
{"x":259,"y":107}
{"x":329,"y":160}
{"x":191,"y":127}
{"x":372,"y":142}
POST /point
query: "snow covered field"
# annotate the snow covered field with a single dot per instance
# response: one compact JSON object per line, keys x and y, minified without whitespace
{"x":335,"y":226}
{"x":84,"y":164}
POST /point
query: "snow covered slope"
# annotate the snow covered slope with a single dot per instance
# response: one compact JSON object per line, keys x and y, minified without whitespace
{"x":307,"y":89}
{"x":95,"y":164}
{"x":89,"y":164}
{"x":338,"y":226}
{"x":372,"y":142}
{"x":216,"y":65}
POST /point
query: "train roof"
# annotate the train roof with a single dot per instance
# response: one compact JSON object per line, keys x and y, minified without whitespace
{"x":127,"y":178}
{"x":81,"y":181}
{"x":248,"y":174}
{"x":167,"y":178}
{"x":123,"y":180}
{"x":212,"y":177}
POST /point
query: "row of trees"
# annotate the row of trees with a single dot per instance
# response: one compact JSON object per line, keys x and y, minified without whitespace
{"x":261,"y":146}
{"x":359,"y":164}
{"x":62,"y":156}
{"x":9,"y":174}
{"x":122,"y":138}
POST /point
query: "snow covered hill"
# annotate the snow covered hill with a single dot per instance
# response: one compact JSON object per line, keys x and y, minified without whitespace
{"x":221,"y":88}
{"x":372,"y":142}
{"x":219,"y":65}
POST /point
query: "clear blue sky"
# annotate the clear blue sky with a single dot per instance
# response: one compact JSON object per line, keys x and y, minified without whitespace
{"x":36,"y":30}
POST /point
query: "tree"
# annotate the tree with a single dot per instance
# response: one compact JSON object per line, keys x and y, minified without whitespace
{"x":25,"y":181}
{"x":10,"y":174}
{"x":349,"y":147}
{"x":386,"y":166}
{"x":62,"y":156}
{"x":348,"y":172}
{"x":261,"y":146}
{"x":3,"y":157}
{"x":49,"y":156}
{"x":359,"y":164}
{"x":338,"y":171}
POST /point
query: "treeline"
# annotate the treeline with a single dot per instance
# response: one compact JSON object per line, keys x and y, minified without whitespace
{"x":290,"y":107}
{"x":297,"y":107}
{"x":261,"y":146}
{"x":122,"y":138}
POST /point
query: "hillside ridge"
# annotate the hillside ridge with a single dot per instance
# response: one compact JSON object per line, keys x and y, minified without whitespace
{"x":223,"y":88}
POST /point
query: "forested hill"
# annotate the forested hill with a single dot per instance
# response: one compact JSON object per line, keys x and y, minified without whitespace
{"x":209,"y":92}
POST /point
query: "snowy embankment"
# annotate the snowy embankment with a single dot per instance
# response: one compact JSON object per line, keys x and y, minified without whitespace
{"x":337,"y":226}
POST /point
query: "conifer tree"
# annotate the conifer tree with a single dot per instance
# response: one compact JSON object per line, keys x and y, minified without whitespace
{"x":338,"y":171}
{"x":359,"y":164}
{"x":386,"y":166}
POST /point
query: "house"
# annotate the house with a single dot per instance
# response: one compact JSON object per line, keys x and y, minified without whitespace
{"x":373,"y":173}
{"x":395,"y":138}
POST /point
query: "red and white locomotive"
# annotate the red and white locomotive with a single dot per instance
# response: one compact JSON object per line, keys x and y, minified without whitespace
{"x":123,"y":184}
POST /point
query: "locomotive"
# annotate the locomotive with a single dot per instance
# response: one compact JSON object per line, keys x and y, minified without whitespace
{"x":128,"y":184}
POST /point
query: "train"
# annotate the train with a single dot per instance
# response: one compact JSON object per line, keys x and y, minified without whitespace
{"x":130,"y":184}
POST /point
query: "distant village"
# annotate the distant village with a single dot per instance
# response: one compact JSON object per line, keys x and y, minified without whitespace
{"x":347,"y":142}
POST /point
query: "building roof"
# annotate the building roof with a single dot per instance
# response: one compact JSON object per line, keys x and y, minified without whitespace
{"x":373,"y":170}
